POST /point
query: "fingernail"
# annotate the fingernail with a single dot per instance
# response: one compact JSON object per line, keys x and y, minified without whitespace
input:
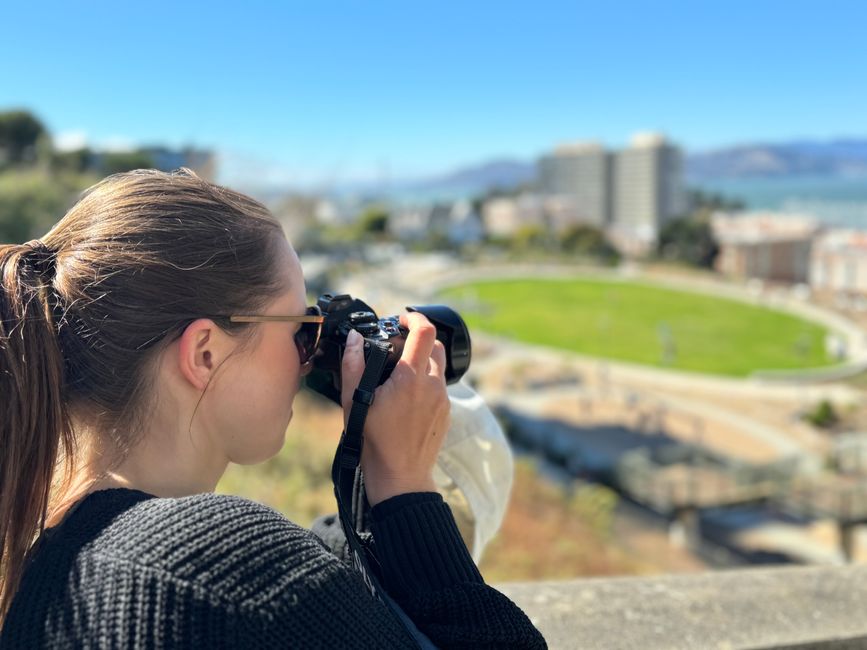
{"x":354,"y":339}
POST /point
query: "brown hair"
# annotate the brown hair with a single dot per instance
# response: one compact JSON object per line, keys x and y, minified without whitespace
{"x":86,"y":311}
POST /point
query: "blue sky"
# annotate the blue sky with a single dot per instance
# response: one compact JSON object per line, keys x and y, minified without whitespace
{"x":322,"y":92}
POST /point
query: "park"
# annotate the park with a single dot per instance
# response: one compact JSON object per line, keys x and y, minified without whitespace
{"x":642,"y":323}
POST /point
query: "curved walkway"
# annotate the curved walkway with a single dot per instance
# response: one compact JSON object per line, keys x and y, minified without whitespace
{"x":507,"y":354}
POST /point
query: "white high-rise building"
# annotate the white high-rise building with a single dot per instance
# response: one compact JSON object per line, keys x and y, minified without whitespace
{"x":580,"y":174}
{"x":648,"y":189}
{"x":631,"y":193}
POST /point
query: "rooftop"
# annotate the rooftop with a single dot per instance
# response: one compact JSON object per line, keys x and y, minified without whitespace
{"x":578,"y":147}
{"x":839,"y":241}
{"x":756,"y":227}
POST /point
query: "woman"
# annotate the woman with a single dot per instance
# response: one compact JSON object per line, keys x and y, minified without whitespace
{"x":131,"y":387}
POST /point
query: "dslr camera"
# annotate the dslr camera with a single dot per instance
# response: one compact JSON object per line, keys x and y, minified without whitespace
{"x":344,"y":313}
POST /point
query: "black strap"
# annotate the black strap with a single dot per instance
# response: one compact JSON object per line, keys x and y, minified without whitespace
{"x":349,"y":485}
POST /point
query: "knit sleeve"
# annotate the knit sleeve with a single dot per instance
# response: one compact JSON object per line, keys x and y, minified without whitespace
{"x":427,"y":569}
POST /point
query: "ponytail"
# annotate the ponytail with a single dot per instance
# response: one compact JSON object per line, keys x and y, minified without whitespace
{"x":34,"y":424}
{"x":86,"y":313}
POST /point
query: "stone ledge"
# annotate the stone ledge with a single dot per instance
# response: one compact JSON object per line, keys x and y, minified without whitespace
{"x":792,"y":608}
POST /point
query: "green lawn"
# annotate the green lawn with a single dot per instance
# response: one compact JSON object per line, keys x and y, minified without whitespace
{"x":642,"y":323}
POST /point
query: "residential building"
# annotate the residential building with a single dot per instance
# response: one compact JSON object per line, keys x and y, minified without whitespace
{"x":579,"y":175}
{"x":767,"y":246}
{"x":464,"y":225}
{"x":333,"y":212}
{"x":630,"y":193}
{"x":409,"y":223}
{"x":504,"y":216}
{"x":839,"y":262}
{"x":648,"y":189}
{"x":562,"y":211}
{"x":458,"y":223}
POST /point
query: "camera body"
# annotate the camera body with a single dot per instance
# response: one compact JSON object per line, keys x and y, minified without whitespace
{"x":344,"y":313}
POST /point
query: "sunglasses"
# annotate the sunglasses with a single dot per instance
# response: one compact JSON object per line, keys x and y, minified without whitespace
{"x":307,"y":336}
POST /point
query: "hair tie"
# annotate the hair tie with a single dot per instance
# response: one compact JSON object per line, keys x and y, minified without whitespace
{"x":40,"y":257}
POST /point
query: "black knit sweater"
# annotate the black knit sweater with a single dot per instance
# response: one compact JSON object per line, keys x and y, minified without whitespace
{"x":128,"y":570}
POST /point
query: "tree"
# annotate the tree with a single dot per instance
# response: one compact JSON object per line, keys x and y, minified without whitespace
{"x":529,"y":235}
{"x":823,"y":415}
{"x":373,"y":223}
{"x":690,"y":240}
{"x":20,"y":131}
{"x":589,"y":241}
{"x":30,"y":203}
{"x":115,"y":163}
{"x":79,"y":160}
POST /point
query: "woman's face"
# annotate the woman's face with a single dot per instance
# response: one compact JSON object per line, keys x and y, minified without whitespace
{"x":255,"y":394}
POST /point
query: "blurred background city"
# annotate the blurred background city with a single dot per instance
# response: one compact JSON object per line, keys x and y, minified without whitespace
{"x":653,"y":217}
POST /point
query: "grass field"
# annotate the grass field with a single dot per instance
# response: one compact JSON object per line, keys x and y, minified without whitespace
{"x":642,"y":323}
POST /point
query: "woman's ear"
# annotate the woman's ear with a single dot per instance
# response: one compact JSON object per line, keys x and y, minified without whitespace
{"x":201,"y":349}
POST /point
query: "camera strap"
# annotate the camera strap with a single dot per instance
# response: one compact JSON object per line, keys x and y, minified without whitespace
{"x":349,"y":488}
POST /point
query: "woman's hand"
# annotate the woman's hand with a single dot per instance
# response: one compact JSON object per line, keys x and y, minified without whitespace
{"x":409,"y":418}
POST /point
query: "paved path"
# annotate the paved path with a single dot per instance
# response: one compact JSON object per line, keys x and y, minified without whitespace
{"x":661,"y":384}
{"x":538,"y":403}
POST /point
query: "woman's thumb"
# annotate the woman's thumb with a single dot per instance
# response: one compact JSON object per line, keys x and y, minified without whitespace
{"x":352,"y":368}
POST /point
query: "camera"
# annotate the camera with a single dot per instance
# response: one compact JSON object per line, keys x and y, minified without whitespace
{"x":344,"y":313}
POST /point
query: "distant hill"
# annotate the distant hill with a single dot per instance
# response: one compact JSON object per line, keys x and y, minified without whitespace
{"x":835,"y":158}
{"x":502,"y":174}
{"x":843,"y":157}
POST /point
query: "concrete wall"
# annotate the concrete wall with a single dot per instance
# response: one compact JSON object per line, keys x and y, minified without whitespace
{"x":785,"y":608}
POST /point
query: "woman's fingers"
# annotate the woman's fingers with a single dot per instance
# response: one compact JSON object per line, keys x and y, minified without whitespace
{"x":406,"y":425}
{"x":419,"y":342}
{"x":437,"y":365}
{"x":352,"y":368}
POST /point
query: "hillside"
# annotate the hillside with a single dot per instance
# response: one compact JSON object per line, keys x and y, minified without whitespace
{"x":834,"y":158}
{"x":842,"y":157}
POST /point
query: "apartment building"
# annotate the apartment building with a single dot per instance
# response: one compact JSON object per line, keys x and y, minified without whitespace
{"x":579,"y":175}
{"x":632,"y":193}
{"x":648,"y":189}
{"x":838,"y":262}
{"x":765,"y":245}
